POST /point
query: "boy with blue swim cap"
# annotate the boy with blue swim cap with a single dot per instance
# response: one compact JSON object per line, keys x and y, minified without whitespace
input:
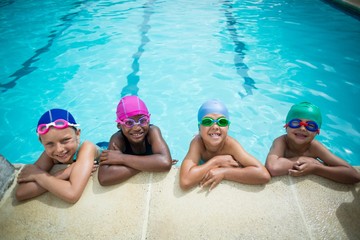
{"x":59,"y":134}
{"x":212,"y":106}
{"x":224,"y":157}
{"x":297,"y":153}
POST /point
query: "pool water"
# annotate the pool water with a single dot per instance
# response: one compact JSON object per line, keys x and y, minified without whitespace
{"x":258,"y":57}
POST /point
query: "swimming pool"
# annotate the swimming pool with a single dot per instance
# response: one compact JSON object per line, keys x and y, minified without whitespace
{"x":259,"y":57}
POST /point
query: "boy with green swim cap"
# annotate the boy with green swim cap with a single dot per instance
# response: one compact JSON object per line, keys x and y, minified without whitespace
{"x":305,"y":110}
{"x":224,"y":157}
{"x":297,"y":153}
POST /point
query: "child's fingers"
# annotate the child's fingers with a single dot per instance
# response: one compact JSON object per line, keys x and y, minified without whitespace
{"x":297,"y":166}
{"x":204,"y":179}
{"x":238,"y":164}
{"x":103,"y":155}
{"x":296,"y":173}
{"x":95,"y":167}
{"x":207,"y":182}
{"x":22,"y":180}
{"x":213,"y":185}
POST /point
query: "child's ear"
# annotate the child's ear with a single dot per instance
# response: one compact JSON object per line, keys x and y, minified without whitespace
{"x":78,"y":131}
{"x":119,"y":126}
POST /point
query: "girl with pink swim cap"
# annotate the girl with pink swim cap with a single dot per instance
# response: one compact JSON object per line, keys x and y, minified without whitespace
{"x":223,"y":156}
{"x":137,"y":146}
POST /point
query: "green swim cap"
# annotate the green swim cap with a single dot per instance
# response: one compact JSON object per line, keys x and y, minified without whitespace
{"x":305,"y":110}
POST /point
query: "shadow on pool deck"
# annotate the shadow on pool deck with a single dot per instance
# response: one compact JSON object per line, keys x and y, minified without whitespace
{"x":152,"y":206}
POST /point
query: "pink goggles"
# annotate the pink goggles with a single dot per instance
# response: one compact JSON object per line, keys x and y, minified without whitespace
{"x":129,"y":122}
{"x":58,"y":124}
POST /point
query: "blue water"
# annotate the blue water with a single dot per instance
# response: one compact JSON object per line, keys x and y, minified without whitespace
{"x":259,"y":57}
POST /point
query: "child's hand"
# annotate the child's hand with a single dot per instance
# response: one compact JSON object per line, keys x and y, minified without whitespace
{"x":304,"y":166}
{"x":95,"y":167}
{"x":212,"y":178}
{"x":28,"y":173}
{"x":110,"y":157}
{"x":227,"y":161}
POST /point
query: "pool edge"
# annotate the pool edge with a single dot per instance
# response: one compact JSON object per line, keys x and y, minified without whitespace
{"x":152,"y":206}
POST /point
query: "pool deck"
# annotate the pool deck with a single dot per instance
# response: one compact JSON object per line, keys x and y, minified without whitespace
{"x":352,"y":6}
{"x":152,"y":206}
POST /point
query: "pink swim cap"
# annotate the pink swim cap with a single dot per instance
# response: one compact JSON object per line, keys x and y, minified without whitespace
{"x":130,"y":106}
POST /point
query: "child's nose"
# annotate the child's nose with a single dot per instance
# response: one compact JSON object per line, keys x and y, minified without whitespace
{"x":215,"y":125}
{"x":136,"y":125}
{"x":59,"y":147}
{"x":302,"y":127}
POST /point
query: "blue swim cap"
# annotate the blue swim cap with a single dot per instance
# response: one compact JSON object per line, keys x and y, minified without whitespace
{"x":212,"y":107}
{"x":305,"y":110}
{"x":55,"y":114}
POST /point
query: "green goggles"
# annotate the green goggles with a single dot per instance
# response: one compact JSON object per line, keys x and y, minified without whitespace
{"x":208,"y":122}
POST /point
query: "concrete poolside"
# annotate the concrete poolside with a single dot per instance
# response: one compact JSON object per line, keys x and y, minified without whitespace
{"x":152,"y":206}
{"x":350,"y":6}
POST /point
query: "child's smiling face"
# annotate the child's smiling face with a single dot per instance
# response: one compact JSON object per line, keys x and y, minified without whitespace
{"x":61,"y":144}
{"x":300,"y":135}
{"x":136,"y":133}
{"x":213,"y":135}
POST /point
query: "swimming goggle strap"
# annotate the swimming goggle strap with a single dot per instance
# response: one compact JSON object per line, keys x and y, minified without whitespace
{"x":58,"y":124}
{"x":129,"y":122}
{"x":309,"y":125}
{"x":208,"y":122}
